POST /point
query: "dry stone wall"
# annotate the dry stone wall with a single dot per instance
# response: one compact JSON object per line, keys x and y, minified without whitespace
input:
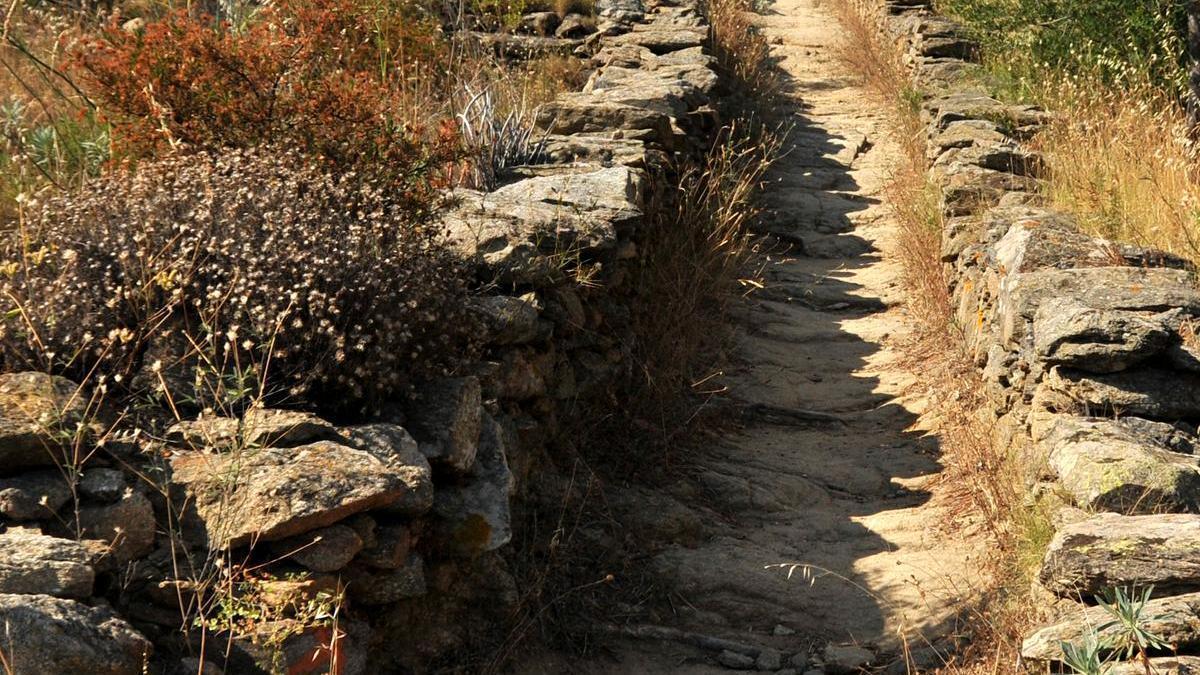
{"x":411,"y":512}
{"x":1086,"y":348}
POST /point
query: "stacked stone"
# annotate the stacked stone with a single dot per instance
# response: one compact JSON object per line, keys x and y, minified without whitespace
{"x":1085,"y":349}
{"x":407,"y":515}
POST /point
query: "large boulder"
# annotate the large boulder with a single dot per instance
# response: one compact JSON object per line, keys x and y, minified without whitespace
{"x":1175,"y":619}
{"x":274,"y":493}
{"x":34,"y":563}
{"x":1106,"y":465}
{"x":1109,"y":550}
{"x":52,"y":636}
{"x":40,"y":417}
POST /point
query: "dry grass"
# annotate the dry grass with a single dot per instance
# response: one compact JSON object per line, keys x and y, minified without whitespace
{"x":743,"y":54}
{"x":1122,"y":161}
{"x":980,"y":486}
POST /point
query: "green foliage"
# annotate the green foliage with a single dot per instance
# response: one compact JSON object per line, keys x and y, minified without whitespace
{"x":1129,"y":634}
{"x":1118,"y":41}
{"x":1125,"y":636}
{"x":1084,"y":658}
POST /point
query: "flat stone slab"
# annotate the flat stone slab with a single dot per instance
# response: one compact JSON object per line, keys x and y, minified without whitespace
{"x":1109,"y":550}
{"x":274,"y":493}
{"x":35,"y":563}
{"x":1157,"y":393}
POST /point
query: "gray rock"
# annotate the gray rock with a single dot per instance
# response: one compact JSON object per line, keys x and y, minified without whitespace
{"x":577,"y":113}
{"x":735,"y":660}
{"x":1144,"y":392}
{"x":372,"y":586}
{"x":1107,"y":550}
{"x":583,"y":209}
{"x":474,"y":516}
{"x":846,"y":658}
{"x":1174,"y":437}
{"x":259,"y":427}
{"x":508,"y":320}
{"x":769,"y":659}
{"x":35,"y":563}
{"x":33,"y":495}
{"x":445,"y":422}
{"x":626,"y":11}
{"x":595,"y":149}
{"x":662,"y":39}
{"x":274,"y":493}
{"x":1006,"y":156}
{"x":1175,"y":619}
{"x":127,"y":525}
{"x":1134,"y":289}
{"x":967,"y":188}
{"x":40,"y":415}
{"x":327,"y":549}
{"x":1103,"y":465}
{"x":392,"y":444}
{"x":799,"y":661}
{"x":390,"y":549}
{"x":781,"y":630}
{"x":962,"y":134}
{"x":575,"y":26}
{"x":64,"y":637}
{"x":104,"y":485}
{"x":540,"y":23}
{"x":1163,"y":665}
{"x":1097,"y":341}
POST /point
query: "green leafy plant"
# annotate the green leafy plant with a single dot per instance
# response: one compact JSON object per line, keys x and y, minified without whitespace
{"x":1084,"y":658}
{"x":1126,"y":635}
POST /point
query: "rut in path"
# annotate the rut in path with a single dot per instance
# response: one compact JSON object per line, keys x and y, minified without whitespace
{"x":827,"y":469}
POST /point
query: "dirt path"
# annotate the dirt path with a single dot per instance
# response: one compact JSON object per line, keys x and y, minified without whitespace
{"x":827,"y":469}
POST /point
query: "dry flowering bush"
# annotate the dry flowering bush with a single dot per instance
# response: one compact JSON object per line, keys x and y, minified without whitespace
{"x":248,"y":274}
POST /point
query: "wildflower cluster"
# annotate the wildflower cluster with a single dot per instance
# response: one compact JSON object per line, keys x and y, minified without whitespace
{"x":250,"y":265}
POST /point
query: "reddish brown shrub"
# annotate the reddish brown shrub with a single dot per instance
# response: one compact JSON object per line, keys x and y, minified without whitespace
{"x":326,"y":76}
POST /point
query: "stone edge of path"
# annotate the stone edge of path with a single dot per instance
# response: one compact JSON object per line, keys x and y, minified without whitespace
{"x":1078,"y":342}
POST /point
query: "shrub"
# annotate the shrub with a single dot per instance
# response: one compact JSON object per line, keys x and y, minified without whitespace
{"x":329,"y":76}
{"x":1117,"y":40}
{"x":250,"y":274}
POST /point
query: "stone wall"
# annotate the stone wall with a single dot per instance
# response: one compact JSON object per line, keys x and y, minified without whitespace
{"x":1085,"y":347}
{"x":411,"y":512}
